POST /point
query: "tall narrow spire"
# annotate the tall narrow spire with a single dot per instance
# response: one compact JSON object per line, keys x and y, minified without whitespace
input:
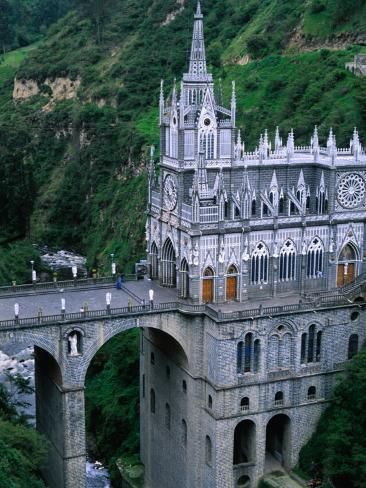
{"x":197,"y":62}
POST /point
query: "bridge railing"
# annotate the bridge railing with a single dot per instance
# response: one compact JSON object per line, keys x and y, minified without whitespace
{"x":66,"y":284}
{"x":177,"y":306}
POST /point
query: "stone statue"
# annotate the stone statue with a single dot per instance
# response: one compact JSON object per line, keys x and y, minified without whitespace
{"x":73,"y":340}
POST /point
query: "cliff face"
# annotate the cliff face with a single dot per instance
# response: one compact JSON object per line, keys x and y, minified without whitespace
{"x":86,"y":102}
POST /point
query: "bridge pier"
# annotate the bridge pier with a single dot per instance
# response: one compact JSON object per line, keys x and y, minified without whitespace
{"x":60,"y":416}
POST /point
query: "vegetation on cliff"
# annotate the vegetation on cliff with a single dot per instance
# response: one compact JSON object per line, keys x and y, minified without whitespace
{"x":337,"y":450}
{"x":23,"y":450}
{"x":75,"y":162}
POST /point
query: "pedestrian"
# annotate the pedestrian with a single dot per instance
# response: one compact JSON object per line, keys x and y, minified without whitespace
{"x":151,"y":298}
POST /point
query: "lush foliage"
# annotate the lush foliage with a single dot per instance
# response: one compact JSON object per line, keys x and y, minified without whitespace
{"x":24,"y":21}
{"x":23,"y":450}
{"x":112,"y":405}
{"x":338,"y":448}
{"x":74,"y":175}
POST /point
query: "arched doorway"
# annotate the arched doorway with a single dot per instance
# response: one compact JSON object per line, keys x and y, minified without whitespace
{"x":184,"y":279}
{"x":168,"y":262}
{"x":127,"y":395}
{"x":244,"y":442}
{"x":232,"y":284}
{"x":347,"y":265}
{"x":154,"y":262}
{"x":278,"y":442}
{"x":208,"y":286}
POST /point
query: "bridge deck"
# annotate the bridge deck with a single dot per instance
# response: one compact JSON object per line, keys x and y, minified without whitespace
{"x":132,"y":294}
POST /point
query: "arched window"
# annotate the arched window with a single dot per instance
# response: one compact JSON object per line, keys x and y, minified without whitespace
{"x":184,"y":279}
{"x":248,"y":355}
{"x":167,"y":416}
{"x":168,"y":262}
{"x":279,"y":399}
{"x":240,"y":356}
{"x":347,"y":264}
{"x":352,"y":346}
{"x":248,"y":351}
{"x":312,"y":393}
{"x":208,"y":144}
{"x":254,"y":207}
{"x":274,"y":353}
{"x":311,"y":345}
{"x":208,"y":453}
{"x":244,"y":404}
{"x":260,"y":261}
{"x":304,"y":339}
{"x":209,"y":403}
{"x":257,"y":355}
{"x":152,"y":401}
{"x":288,"y":261}
{"x":315,"y":259}
{"x":154,"y":261}
{"x":184,"y":433}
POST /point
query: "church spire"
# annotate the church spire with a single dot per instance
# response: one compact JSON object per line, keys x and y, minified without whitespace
{"x":197,"y":62}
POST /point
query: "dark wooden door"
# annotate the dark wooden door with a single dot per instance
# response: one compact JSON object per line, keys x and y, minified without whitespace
{"x":231,"y":288}
{"x":207,"y":290}
{"x":345,"y":279}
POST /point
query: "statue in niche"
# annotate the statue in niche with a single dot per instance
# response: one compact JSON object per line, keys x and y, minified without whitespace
{"x":73,"y":341}
{"x":222,"y":254}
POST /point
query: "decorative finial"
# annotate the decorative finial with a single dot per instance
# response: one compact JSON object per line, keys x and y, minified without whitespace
{"x":198,"y":11}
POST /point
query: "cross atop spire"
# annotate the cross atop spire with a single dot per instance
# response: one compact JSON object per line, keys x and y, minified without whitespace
{"x":197,"y":62}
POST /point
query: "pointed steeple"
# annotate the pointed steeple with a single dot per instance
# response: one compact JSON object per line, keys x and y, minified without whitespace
{"x":233,"y":105}
{"x":315,"y":148}
{"x":278,"y":140}
{"x":291,"y":144}
{"x":355,"y":145}
{"x":162,"y":102}
{"x":197,"y":62}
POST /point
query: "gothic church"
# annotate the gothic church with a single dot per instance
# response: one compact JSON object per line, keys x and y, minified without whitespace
{"x":236,"y":230}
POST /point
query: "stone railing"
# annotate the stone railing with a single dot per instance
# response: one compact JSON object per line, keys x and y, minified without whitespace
{"x":49,"y":286}
{"x":178,"y":306}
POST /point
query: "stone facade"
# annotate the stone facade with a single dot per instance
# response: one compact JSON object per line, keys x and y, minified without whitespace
{"x":225,"y":224}
{"x":230,"y":226}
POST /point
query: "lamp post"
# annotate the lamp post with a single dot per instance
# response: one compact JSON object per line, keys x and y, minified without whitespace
{"x":74,"y":270}
{"x":16,"y":312}
{"x":108,"y":299}
{"x":113,"y":266}
{"x":34,"y":273}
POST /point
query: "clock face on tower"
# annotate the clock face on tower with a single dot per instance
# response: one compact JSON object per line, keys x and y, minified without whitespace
{"x":170,"y":192}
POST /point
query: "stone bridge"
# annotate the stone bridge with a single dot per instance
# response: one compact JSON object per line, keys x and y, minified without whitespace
{"x":61,"y":365}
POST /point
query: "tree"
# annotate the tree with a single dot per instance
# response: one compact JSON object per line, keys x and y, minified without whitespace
{"x":5,"y":30}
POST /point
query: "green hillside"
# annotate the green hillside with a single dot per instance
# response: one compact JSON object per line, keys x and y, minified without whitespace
{"x":72,"y":171}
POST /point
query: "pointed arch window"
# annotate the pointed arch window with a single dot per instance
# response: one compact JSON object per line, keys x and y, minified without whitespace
{"x":311,"y":345}
{"x":184,"y":279}
{"x":254,"y":207}
{"x":248,"y":355}
{"x":208,"y":455}
{"x":154,"y":261}
{"x":315,"y":259}
{"x":288,"y":261}
{"x":207,"y":144}
{"x":168,"y":262}
{"x":259,"y":264}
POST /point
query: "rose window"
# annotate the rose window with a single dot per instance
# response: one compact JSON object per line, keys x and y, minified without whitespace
{"x":351,"y":191}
